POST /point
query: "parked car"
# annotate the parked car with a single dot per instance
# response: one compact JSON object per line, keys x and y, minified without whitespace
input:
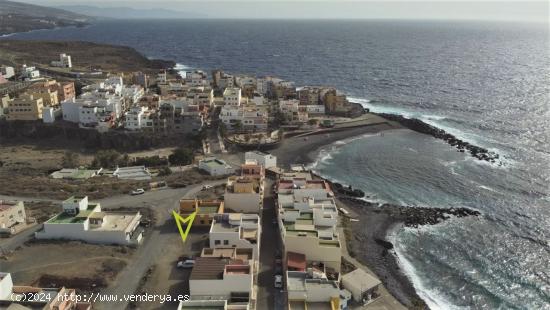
{"x":188,"y":264}
{"x":278,"y":269}
{"x":206,"y":187}
{"x":278,"y":281}
{"x":138,"y":191}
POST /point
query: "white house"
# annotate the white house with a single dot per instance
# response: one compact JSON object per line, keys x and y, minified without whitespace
{"x":63,"y":62}
{"x":236,"y":230}
{"x":216,"y":167}
{"x":261,"y":158}
{"x":29,"y":73}
{"x":85,"y":221}
{"x":363,"y":286}
{"x":232,"y":96}
{"x":7,"y":72}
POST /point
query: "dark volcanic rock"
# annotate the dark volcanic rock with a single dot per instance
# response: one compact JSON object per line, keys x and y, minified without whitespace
{"x":416,"y":216}
{"x":347,"y":191}
{"x":419,"y":126}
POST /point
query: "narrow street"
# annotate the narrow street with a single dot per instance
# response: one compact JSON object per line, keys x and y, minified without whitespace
{"x":268,"y":296}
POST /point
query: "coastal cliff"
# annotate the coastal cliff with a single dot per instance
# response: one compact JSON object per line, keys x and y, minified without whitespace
{"x":22,"y":17}
{"x":84,"y":54}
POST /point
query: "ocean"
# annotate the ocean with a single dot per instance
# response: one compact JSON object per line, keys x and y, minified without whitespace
{"x":487,"y":83}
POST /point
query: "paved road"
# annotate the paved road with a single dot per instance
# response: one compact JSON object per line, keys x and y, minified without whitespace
{"x":267,"y":296}
{"x":162,"y":202}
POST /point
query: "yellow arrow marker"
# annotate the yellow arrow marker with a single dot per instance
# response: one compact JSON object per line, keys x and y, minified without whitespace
{"x":189,"y":220}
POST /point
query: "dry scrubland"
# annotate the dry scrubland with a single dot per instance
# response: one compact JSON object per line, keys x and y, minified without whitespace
{"x":86,"y":267}
{"x":84,"y":55}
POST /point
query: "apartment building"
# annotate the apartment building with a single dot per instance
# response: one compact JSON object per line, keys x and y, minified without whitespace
{"x":196,"y":78}
{"x":12,"y":217}
{"x":205,"y":210}
{"x":215,"y":278}
{"x":293,"y":112}
{"x":243,"y":194}
{"x":4,"y":104}
{"x":308,"y":218}
{"x":49,"y":96}
{"x":236,"y":230}
{"x":85,"y":221}
{"x":25,"y":108}
{"x":17,"y":297}
{"x":139,"y":118}
{"x":232,"y":96}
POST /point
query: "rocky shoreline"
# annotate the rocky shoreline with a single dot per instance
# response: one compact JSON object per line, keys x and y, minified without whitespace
{"x":369,"y":240}
{"x":462,"y":146}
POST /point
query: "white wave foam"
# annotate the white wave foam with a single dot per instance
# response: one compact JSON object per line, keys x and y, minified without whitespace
{"x":432,"y":298}
{"x":182,"y":69}
{"x":437,"y":121}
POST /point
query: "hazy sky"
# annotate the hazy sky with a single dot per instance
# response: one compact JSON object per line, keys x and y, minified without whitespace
{"x":537,"y":11}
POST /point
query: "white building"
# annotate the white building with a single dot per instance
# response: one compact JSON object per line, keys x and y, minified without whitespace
{"x":261,"y":158}
{"x":250,"y":117}
{"x":236,"y":230}
{"x":257,"y":99}
{"x":7,"y":72}
{"x":50,"y":114}
{"x":63,"y":62}
{"x":132,"y":93}
{"x":363,"y":286}
{"x":29,"y":73}
{"x":196,"y":78}
{"x":138,"y":118}
{"x":85,"y":221}
{"x":232,"y":96}
{"x":216,"y":167}
{"x":138,"y":173}
{"x":307,"y":291}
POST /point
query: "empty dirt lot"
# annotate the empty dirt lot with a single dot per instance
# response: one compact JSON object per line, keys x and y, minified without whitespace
{"x":37,"y":263}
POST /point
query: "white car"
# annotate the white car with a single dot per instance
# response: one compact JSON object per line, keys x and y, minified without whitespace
{"x":188,"y":264}
{"x":206,"y":187}
{"x":138,"y":191}
{"x":278,"y":281}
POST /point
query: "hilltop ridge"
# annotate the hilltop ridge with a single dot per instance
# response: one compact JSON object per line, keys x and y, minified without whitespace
{"x":22,"y":17}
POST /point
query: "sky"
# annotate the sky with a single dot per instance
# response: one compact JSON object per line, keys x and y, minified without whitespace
{"x":533,"y":11}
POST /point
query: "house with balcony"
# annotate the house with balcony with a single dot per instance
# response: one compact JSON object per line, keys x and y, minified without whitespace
{"x":236,"y":230}
{"x":86,"y":221}
{"x":206,"y":210}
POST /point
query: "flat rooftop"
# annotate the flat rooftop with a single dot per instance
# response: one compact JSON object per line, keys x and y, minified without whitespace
{"x":117,"y":221}
{"x":65,"y":218}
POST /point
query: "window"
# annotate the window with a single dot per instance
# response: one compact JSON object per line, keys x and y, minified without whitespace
{"x":217,"y":242}
{"x":225,"y":242}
